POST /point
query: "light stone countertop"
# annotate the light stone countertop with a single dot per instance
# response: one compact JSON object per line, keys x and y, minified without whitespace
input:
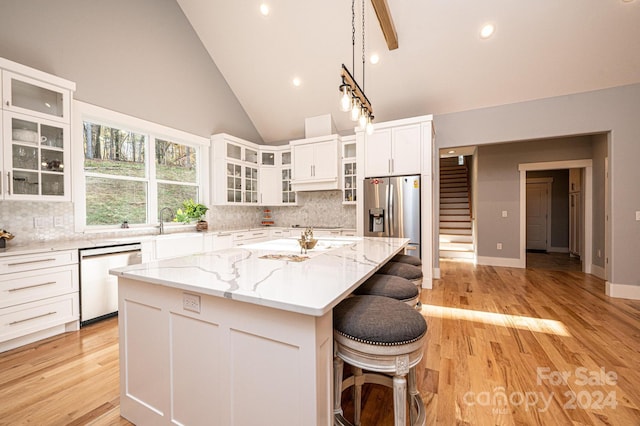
{"x":311,"y":287}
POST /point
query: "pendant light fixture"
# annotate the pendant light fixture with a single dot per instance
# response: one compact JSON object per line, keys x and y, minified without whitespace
{"x":352,"y":97}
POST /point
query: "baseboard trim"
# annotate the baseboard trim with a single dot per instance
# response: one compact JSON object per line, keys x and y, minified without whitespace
{"x":508,"y":262}
{"x":622,"y":291}
{"x":558,"y":249}
{"x":598,"y":271}
{"x":436,"y":273}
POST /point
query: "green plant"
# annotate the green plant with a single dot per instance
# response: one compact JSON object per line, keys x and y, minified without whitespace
{"x":190,"y":211}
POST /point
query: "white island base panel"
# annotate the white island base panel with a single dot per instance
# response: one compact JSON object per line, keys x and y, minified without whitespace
{"x":233,"y":363}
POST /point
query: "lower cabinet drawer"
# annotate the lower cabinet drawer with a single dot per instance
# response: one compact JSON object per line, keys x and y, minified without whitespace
{"x":27,"y":262}
{"x":28,"y":286}
{"x":20,"y":320}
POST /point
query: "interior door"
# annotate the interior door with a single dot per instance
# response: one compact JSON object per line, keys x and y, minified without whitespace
{"x":537,"y":216}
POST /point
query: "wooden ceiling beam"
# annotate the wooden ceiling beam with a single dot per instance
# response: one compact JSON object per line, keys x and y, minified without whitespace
{"x":386,"y":23}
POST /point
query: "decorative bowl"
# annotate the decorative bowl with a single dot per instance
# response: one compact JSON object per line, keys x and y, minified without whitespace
{"x":307,"y":244}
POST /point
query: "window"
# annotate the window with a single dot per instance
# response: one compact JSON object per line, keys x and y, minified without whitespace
{"x":121,"y":181}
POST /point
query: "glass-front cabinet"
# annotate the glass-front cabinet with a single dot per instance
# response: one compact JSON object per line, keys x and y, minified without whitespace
{"x":349,"y":172}
{"x":34,"y":97}
{"x":288,"y":195}
{"x":235,"y":170}
{"x":35,"y":132}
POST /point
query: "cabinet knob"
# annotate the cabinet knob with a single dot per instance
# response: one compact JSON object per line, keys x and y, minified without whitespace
{"x":8,"y":103}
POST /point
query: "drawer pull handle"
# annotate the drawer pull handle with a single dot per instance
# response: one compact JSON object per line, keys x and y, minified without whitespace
{"x":30,"y":286}
{"x":224,"y":235}
{"x":51,"y":259}
{"x":32,"y":318}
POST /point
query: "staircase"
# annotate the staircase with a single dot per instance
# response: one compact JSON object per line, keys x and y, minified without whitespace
{"x":456,"y":232}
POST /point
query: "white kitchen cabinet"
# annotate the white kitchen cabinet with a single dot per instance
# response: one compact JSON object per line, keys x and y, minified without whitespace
{"x":36,"y":158}
{"x":38,"y":297}
{"x":315,"y":163}
{"x":278,"y":233}
{"x":35,"y":134}
{"x":270,"y":186}
{"x":250,"y":237}
{"x":349,"y":170}
{"x":393,"y":151}
{"x":287,"y":193}
{"x":274,"y":169}
{"x":220,"y":241}
{"x":234,"y":171}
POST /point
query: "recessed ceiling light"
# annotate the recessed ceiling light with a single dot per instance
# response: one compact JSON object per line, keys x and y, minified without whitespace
{"x":487,"y":30}
{"x":374,"y":59}
{"x":451,"y":152}
{"x":264,"y":9}
{"x":296,"y":82}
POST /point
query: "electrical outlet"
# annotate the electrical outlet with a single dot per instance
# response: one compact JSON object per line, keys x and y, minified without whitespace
{"x":58,"y":221}
{"x":599,"y":253}
{"x":42,"y":222}
{"x":499,"y":246}
{"x":191,"y":302}
{"x":504,"y":213}
{"x":637,"y":214}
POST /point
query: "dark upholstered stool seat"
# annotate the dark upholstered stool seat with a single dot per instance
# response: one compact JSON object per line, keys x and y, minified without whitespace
{"x":405,"y":258}
{"x":389,"y":286}
{"x":403,"y":270}
{"x":384,"y":337}
{"x":377,"y":320}
{"x":406,"y":271}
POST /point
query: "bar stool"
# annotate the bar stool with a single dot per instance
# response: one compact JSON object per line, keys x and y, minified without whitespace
{"x":389,"y":286}
{"x":405,"y":258}
{"x":406,"y":271}
{"x":386,"y":338}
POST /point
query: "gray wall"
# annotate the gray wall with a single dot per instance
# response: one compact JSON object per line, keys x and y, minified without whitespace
{"x":140,"y":57}
{"x":559,"y":205}
{"x":612,"y":110}
{"x":498,"y":187}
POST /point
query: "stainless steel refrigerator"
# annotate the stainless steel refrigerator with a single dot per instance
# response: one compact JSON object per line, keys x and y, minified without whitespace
{"x":392,"y":209}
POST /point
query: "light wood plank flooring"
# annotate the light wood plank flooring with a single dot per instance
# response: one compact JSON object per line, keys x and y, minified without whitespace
{"x":499,"y":342}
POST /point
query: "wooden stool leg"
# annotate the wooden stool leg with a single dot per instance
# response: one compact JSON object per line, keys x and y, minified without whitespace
{"x":338,"y":366}
{"x":413,"y":393}
{"x":400,"y":400}
{"x":357,"y":395}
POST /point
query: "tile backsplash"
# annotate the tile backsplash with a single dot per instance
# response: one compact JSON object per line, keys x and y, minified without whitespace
{"x":321,"y":208}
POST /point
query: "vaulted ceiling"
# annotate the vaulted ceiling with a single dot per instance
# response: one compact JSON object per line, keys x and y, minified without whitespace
{"x":540,"y":48}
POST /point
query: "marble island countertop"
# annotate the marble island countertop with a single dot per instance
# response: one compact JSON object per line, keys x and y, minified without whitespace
{"x":251,"y":274}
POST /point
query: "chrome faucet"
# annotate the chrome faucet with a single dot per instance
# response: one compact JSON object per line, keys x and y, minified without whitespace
{"x":161,"y":217}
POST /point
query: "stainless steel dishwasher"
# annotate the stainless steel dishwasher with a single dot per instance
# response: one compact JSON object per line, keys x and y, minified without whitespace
{"x":98,"y":289}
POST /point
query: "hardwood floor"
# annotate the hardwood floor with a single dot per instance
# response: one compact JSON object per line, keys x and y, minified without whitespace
{"x":499,"y":340}
{"x":71,"y":379}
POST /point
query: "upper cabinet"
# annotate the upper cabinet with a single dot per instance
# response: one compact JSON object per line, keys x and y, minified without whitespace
{"x":349,"y":170}
{"x":234,"y":170}
{"x":275,"y":176}
{"x":393,"y":151}
{"x":37,"y":98}
{"x":35,"y":133}
{"x":315,"y":163}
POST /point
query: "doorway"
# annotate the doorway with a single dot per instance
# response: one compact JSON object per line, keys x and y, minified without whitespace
{"x":538,"y":214}
{"x":586,"y":227}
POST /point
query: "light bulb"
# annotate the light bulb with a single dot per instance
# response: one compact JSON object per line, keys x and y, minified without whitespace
{"x":345,"y":100}
{"x":369,"y":126}
{"x":355,"y":110}
{"x":363,"y":118}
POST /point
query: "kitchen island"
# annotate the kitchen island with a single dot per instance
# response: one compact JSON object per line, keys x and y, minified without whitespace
{"x":242,"y":336}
